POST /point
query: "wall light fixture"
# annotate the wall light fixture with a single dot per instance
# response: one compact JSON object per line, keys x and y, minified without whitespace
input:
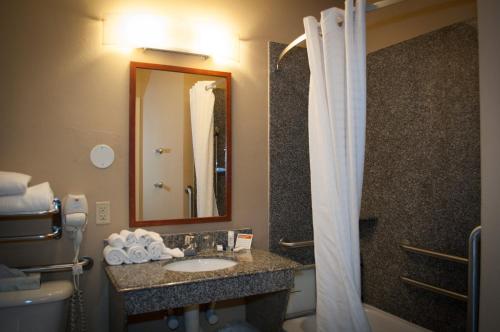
{"x":162,"y":33}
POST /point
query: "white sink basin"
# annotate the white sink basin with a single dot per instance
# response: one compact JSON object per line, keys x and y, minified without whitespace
{"x":200,"y":265}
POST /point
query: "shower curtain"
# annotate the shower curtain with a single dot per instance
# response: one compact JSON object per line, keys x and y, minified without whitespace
{"x":202,"y":99}
{"x":337,"y":110}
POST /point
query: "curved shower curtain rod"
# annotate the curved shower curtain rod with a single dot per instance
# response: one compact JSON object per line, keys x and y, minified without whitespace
{"x":370,"y":7}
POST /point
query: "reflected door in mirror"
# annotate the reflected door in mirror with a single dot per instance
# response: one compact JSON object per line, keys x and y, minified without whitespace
{"x":180,"y":145}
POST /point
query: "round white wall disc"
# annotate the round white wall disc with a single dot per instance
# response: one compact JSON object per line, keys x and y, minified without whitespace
{"x":102,"y":156}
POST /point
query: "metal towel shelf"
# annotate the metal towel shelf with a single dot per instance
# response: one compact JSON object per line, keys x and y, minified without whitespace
{"x":55,"y":212}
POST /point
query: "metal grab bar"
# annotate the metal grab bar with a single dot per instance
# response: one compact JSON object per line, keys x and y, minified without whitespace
{"x":298,"y":244}
{"x":310,"y":243}
{"x":434,"y":289}
{"x":56,"y":233}
{"x":473,"y":282}
{"x":435,"y":254}
{"x":86,"y":263}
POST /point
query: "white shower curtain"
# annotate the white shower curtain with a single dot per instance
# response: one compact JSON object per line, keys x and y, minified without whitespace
{"x":337,"y":109}
{"x":202,"y":127}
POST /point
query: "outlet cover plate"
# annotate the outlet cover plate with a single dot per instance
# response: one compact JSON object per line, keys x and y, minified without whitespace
{"x":102,"y":213}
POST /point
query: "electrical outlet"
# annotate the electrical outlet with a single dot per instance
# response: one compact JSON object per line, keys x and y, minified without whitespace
{"x":103,"y":213}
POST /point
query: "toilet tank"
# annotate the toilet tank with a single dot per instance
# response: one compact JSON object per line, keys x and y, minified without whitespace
{"x":37,"y":310}
{"x":302,"y":299}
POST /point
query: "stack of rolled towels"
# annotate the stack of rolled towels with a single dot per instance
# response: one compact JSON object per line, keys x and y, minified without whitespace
{"x":16,"y":196}
{"x":136,"y":247}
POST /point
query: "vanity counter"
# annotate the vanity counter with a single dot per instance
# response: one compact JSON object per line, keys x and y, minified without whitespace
{"x":135,"y":277}
{"x":149,"y":287}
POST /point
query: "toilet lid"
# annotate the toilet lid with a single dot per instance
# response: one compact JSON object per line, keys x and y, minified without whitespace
{"x":50,"y":291}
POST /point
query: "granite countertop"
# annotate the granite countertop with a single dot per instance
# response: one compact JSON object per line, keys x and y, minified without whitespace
{"x":136,"y":277}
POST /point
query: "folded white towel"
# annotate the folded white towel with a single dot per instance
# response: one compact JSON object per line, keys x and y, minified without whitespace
{"x":116,"y":240}
{"x":7,"y":272}
{"x":129,"y":237}
{"x":35,"y":199}
{"x":155,"y":250}
{"x":145,"y":237}
{"x":173,"y":252}
{"x":115,"y":256}
{"x":12,"y":183}
{"x":137,"y":254}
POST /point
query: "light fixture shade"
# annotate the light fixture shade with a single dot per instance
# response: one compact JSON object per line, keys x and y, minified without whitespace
{"x":161,"y":33}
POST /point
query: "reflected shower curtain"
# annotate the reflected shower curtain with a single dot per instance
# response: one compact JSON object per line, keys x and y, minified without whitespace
{"x":337,"y":111}
{"x":202,"y":100}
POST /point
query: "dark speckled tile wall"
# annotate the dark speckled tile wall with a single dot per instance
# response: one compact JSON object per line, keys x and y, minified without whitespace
{"x":422,"y":172}
{"x":290,"y":212}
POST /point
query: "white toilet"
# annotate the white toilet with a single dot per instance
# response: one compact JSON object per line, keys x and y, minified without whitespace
{"x":302,"y":303}
{"x":38,"y":310}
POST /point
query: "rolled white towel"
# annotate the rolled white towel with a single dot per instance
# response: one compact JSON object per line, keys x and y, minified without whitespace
{"x":115,"y":256}
{"x":145,"y":237}
{"x":137,"y":254}
{"x":129,"y":237}
{"x":155,"y":250}
{"x":12,"y":183}
{"x":116,"y":240}
{"x":164,"y":257}
{"x":156,"y":237}
{"x":35,"y":199}
{"x":173,"y":252}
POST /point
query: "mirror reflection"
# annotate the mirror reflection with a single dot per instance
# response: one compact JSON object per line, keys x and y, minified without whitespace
{"x":181,"y":119}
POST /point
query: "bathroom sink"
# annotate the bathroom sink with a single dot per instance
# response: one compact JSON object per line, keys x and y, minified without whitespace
{"x":200,"y":265}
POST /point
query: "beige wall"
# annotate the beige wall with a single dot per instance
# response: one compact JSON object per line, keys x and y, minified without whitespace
{"x":62,"y":92}
{"x":489,"y":74}
{"x":409,"y":19}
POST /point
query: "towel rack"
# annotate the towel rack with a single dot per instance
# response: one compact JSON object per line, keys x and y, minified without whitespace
{"x":86,"y":263}
{"x":56,"y":228}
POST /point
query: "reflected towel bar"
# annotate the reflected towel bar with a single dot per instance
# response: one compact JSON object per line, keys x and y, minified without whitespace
{"x":434,"y":289}
{"x":86,"y":263}
{"x":435,"y":254}
{"x":189,"y":192}
{"x":56,"y":233}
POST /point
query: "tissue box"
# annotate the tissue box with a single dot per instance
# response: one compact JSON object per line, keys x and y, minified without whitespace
{"x":15,"y":283}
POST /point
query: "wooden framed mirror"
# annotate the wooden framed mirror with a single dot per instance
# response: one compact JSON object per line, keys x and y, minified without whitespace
{"x":179,"y":145}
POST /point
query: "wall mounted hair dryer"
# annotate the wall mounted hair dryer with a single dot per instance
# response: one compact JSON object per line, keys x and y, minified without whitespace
{"x":75,"y":210}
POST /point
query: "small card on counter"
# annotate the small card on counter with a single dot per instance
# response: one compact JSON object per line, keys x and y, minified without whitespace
{"x":244,"y":241}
